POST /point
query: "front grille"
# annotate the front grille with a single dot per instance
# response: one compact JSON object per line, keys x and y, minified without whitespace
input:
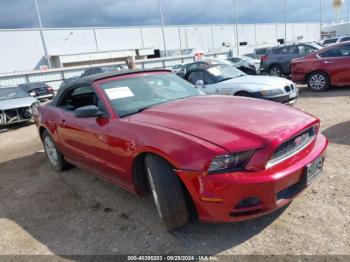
{"x":289,"y":88}
{"x":293,"y":145}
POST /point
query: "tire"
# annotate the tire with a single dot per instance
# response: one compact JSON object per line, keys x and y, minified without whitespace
{"x":243,"y":93}
{"x":168,"y":193}
{"x":56,"y":159}
{"x":275,"y":70}
{"x":318,"y":81}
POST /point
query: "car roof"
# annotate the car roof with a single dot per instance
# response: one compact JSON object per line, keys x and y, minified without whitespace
{"x":88,"y":80}
{"x":206,"y":68}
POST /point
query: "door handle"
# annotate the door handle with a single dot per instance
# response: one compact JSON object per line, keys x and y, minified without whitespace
{"x":63,"y":122}
{"x":328,"y":62}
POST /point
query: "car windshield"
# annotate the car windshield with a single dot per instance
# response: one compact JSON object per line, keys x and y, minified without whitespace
{"x":12,"y":93}
{"x":224,"y":72}
{"x":137,"y":93}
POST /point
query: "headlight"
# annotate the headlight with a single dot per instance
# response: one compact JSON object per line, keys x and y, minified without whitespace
{"x":272,"y":92}
{"x":229,"y":163}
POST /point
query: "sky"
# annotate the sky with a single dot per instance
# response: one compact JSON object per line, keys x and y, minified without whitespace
{"x":91,"y":13}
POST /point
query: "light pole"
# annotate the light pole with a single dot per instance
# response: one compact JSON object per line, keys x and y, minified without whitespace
{"x":42,"y":34}
{"x":162,"y":22}
{"x":285,"y":21}
{"x":347,"y":17}
{"x":236,"y":27}
{"x":320,"y":19}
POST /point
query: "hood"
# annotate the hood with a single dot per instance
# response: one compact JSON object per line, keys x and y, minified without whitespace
{"x":17,"y":102}
{"x":233,"y":123}
{"x":271,"y":82}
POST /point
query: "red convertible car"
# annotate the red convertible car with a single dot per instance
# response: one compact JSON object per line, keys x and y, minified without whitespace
{"x":225,"y":158}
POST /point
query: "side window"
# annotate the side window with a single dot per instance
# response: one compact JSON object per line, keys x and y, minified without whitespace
{"x":293,"y":50}
{"x":192,"y":66}
{"x":207,"y":79}
{"x":195,"y":76}
{"x":78,"y":97}
{"x":339,"y":51}
{"x":283,"y":51}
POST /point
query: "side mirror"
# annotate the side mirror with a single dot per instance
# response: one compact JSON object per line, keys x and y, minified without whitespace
{"x":199,"y":84}
{"x":87,"y":111}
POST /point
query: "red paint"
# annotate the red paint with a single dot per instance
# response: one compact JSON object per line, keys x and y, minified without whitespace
{"x":338,"y":68}
{"x":189,"y":133}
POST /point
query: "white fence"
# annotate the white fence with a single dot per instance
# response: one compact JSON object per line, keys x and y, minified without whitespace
{"x":54,"y":77}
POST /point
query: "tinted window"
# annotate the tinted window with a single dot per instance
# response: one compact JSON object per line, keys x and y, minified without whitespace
{"x":78,"y":97}
{"x":330,"y":41}
{"x":293,"y":50}
{"x":134,"y":94}
{"x":339,"y":51}
{"x":195,"y":76}
{"x":344,"y":39}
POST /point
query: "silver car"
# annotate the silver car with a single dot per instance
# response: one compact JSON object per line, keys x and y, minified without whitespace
{"x":228,"y":80}
{"x":16,"y":106}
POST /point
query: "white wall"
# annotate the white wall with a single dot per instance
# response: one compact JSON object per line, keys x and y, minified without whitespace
{"x":22,"y":50}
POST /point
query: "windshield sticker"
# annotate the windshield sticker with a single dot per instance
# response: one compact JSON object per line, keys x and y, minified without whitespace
{"x":214,"y":71}
{"x":119,"y":92}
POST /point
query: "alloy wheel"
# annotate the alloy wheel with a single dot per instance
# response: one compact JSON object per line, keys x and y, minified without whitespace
{"x":317,"y":82}
{"x":51,"y":151}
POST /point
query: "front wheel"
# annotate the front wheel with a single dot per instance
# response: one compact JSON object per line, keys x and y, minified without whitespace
{"x":318,"y":81}
{"x":54,"y":156}
{"x":168,"y":193}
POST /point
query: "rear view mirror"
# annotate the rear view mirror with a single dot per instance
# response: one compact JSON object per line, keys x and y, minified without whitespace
{"x":199,"y":84}
{"x":88,"y":111}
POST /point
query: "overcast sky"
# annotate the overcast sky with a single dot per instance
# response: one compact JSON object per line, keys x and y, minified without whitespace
{"x":74,"y":13}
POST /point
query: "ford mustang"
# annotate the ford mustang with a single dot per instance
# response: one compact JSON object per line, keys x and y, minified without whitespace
{"x":223,"y":158}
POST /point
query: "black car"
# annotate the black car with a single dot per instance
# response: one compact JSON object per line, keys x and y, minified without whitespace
{"x":39,"y":90}
{"x":277,"y":61}
{"x":243,"y":65}
{"x":98,"y":70}
{"x":205,"y":63}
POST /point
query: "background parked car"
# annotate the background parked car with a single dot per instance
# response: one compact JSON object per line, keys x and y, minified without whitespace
{"x":260,"y":52}
{"x":329,"y":41}
{"x":320,"y":70}
{"x":39,"y":90}
{"x":16,"y":105}
{"x":68,"y":81}
{"x":98,"y":70}
{"x":245,"y":64}
{"x":228,"y":80}
{"x":277,"y":61}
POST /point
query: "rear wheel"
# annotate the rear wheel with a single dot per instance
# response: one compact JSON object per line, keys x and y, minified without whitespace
{"x":318,"y":81}
{"x":55,"y":158}
{"x":168,"y":193}
{"x":275,"y":70}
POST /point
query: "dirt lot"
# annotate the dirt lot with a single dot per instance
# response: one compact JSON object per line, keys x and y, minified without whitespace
{"x":43,"y":212}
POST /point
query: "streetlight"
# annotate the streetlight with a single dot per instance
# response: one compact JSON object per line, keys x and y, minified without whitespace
{"x":285,"y":21}
{"x":236,"y":27}
{"x":320,"y":18}
{"x":162,"y":22}
{"x":42,"y":34}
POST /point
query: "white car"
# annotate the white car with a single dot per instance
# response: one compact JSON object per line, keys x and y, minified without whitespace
{"x":228,"y":80}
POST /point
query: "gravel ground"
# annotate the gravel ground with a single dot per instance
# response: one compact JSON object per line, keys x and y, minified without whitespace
{"x":44,"y":212}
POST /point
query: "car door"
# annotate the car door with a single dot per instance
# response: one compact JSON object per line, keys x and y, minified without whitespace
{"x":335,"y":62}
{"x":84,"y":139}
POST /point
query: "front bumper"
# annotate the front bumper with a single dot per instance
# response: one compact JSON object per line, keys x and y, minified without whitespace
{"x":218,"y":198}
{"x":289,"y":98}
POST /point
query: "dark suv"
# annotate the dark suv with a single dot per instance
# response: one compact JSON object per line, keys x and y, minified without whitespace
{"x":277,"y":61}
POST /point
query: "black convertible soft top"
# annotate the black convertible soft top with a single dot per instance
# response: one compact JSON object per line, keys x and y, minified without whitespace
{"x":88,"y":80}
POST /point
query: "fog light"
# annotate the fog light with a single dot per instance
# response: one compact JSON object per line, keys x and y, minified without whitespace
{"x":248,"y":202}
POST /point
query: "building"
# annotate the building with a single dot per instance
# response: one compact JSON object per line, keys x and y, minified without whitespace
{"x":22,"y":49}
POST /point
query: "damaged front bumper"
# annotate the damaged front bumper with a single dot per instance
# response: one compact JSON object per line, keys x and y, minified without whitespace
{"x":16,"y":115}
